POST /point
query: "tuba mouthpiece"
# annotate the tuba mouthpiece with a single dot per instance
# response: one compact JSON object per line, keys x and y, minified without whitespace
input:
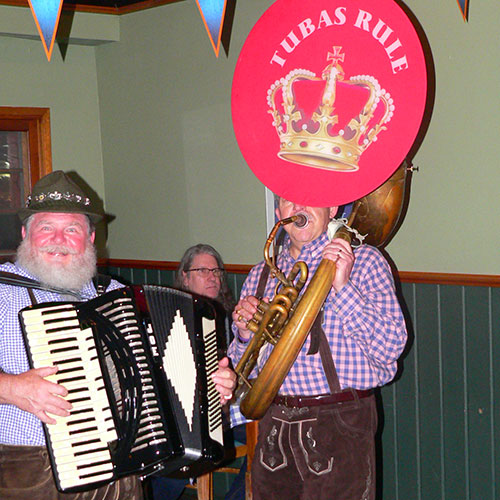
{"x":301,"y":220}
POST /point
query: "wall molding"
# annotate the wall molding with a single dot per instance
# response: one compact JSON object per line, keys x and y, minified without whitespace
{"x":108,"y":7}
{"x":404,"y":276}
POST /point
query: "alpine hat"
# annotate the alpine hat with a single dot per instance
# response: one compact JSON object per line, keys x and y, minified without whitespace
{"x":56,"y":192}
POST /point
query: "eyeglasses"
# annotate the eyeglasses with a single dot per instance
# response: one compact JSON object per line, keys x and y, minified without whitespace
{"x":205,"y":271}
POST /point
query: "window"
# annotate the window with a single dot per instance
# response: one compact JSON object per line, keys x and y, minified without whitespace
{"x":25,"y":157}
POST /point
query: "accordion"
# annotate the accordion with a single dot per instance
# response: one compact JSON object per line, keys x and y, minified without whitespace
{"x":136,"y":362}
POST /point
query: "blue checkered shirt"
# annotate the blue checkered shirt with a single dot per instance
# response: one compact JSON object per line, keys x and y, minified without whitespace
{"x":18,"y":427}
{"x":363,"y":323}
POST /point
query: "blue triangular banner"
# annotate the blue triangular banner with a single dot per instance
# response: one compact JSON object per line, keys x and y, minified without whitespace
{"x":464,"y":6}
{"x":46,"y":14}
{"x":212,"y":12}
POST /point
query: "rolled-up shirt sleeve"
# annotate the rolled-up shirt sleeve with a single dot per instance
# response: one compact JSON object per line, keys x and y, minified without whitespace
{"x":371,"y":318}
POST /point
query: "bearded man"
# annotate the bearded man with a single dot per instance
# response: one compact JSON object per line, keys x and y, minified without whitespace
{"x":57,"y":253}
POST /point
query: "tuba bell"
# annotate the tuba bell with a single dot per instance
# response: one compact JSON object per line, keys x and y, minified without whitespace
{"x":286,"y":321}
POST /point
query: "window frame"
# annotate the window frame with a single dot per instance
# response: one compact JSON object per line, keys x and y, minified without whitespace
{"x":36,"y":123}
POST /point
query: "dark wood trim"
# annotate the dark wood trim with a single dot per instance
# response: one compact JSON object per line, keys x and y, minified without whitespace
{"x":404,"y":276}
{"x":36,"y":145}
{"x":238,"y":268}
{"x":35,"y":121}
{"x":164,"y":265}
{"x":98,"y":9}
{"x":490,"y":280}
{"x":147,"y":4}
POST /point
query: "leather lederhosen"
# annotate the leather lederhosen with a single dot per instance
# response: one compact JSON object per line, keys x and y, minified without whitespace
{"x":322,"y":452}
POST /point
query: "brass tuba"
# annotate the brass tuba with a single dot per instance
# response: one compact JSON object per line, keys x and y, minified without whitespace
{"x":287,"y":320}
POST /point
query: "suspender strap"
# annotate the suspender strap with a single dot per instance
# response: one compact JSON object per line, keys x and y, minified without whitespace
{"x":101,"y":283}
{"x":327,"y":360}
{"x":32,"y":296}
{"x":261,"y":285}
{"x":314,"y":334}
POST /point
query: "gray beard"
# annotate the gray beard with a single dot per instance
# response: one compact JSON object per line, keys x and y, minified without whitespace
{"x":72,"y":276}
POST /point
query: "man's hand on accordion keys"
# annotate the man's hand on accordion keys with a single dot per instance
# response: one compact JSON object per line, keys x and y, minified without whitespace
{"x":31,"y":391}
{"x":225,"y":380}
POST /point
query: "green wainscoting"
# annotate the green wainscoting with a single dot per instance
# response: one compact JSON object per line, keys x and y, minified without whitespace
{"x":440,"y":421}
{"x":441,"y":433}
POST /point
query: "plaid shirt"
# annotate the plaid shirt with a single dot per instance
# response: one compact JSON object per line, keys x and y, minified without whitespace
{"x":363,"y":323}
{"x":18,"y":427}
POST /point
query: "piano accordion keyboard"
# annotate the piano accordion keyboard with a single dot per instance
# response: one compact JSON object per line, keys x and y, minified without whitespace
{"x":79,"y":442}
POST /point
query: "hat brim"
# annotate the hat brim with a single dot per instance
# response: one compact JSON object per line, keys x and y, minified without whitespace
{"x":25,"y":213}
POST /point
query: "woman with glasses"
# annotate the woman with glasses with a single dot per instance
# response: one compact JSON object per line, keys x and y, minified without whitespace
{"x":201,"y":271}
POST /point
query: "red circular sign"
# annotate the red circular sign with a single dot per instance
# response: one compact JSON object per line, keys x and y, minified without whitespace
{"x":328,"y":97}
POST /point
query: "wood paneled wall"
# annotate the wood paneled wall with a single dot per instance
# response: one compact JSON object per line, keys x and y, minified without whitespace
{"x":441,"y":433}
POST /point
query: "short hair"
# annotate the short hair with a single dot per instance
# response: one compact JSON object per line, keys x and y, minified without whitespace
{"x":225,"y":296}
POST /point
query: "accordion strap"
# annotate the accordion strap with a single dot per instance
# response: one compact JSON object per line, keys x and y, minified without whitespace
{"x":18,"y":280}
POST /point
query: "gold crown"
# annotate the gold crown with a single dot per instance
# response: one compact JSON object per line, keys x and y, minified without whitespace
{"x":318,"y":138}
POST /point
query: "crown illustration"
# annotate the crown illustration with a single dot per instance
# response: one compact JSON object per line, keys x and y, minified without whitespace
{"x":328,"y":122}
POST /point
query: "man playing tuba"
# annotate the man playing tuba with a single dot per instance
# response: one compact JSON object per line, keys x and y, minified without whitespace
{"x":316,"y":440}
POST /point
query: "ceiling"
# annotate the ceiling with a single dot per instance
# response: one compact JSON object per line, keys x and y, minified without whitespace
{"x":100,"y":6}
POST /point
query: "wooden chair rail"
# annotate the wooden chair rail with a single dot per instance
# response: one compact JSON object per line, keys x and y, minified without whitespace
{"x":403,"y":276}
